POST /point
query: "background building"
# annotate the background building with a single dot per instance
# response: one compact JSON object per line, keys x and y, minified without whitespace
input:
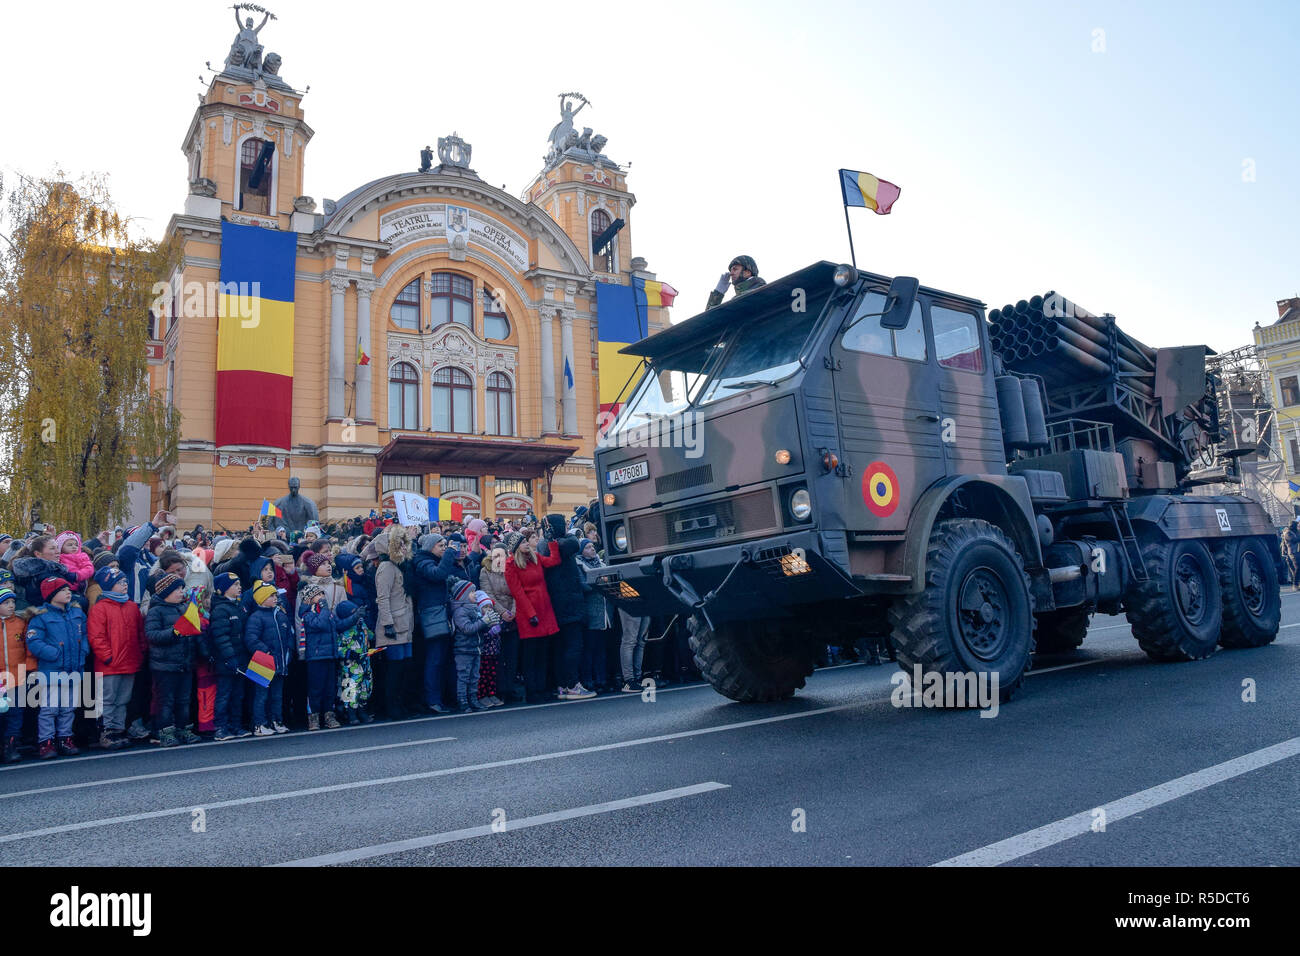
{"x":1278,"y":347}
{"x":441,"y":334}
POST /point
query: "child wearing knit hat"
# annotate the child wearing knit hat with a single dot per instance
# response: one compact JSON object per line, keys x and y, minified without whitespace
{"x":116,"y":633}
{"x":171,"y":661}
{"x":17,"y":660}
{"x":56,"y":637}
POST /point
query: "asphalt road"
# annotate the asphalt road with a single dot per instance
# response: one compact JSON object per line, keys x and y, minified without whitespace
{"x":1184,"y":771}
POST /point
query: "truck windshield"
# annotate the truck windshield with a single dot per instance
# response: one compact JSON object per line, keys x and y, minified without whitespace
{"x":761,"y":353}
{"x":669,"y":386}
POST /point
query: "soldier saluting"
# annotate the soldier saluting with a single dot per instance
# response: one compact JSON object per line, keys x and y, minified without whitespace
{"x":742,"y":273}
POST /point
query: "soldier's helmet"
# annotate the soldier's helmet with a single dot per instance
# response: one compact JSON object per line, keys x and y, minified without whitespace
{"x":745,"y":262}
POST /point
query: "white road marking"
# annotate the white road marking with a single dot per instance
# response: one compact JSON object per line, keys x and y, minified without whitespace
{"x":1032,"y":841}
{"x":224,"y":766}
{"x":523,"y":823}
{"x":1063,"y":667}
{"x":1108,"y":627}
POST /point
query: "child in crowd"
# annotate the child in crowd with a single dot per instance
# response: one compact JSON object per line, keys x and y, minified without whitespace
{"x":487,"y":682}
{"x":468,"y":628}
{"x":225,"y":647}
{"x":354,"y":678}
{"x":73,"y":558}
{"x":321,"y":629}
{"x":171,"y":661}
{"x":116,"y":633}
{"x":56,"y":637}
{"x":18,"y":662}
{"x":270,"y":631}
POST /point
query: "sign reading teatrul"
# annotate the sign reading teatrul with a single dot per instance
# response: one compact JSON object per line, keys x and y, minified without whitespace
{"x":429,"y":220}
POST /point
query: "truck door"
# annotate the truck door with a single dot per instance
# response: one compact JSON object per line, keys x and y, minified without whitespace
{"x":969,"y":426}
{"x":888,"y":404}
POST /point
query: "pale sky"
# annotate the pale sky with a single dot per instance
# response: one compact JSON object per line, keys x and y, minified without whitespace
{"x":1139,"y":158}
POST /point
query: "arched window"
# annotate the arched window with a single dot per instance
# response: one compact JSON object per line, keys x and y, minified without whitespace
{"x":499,"y":405}
{"x":256,"y":171}
{"x":403,"y":397}
{"x":453,"y":400}
{"x":405,"y":312}
{"x":496,"y":325}
{"x":452,"y":299}
{"x":604,"y":262}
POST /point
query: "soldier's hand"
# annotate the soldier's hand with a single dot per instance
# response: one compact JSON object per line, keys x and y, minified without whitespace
{"x":723,"y":282}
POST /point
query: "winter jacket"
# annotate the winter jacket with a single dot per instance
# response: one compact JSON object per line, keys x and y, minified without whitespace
{"x":30,"y":572}
{"x":528,"y":587}
{"x":741,"y":287}
{"x":224,"y":639}
{"x":394,"y":605}
{"x":116,"y":633}
{"x":468,"y":626}
{"x":56,"y":637}
{"x":494,"y":583}
{"x":564,"y":582}
{"x":270,"y":630}
{"x":431,"y":576}
{"x":598,"y":614}
{"x":323,"y":627}
{"x":81,"y":566}
{"x":241,"y":564}
{"x":288,"y":582}
{"x":134,"y":562}
{"x":15,"y":655}
{"x":168,"y":651}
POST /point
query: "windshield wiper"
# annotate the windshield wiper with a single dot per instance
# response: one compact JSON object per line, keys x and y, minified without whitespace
{"x":748,"y":383}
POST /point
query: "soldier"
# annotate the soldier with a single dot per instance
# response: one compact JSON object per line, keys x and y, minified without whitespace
{"x":742,"y":273}
{"x":1290,"y":550}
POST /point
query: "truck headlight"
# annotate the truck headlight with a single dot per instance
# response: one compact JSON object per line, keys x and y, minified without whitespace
{"x":620,"y":538}
{"x":801,"y":505}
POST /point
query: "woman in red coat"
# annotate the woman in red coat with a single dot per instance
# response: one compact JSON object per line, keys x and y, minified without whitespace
{"x":116,"y":632}
{"x":533,"y":611}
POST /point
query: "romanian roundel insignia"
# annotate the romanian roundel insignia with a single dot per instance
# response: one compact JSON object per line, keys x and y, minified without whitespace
{"x":880,"y":489}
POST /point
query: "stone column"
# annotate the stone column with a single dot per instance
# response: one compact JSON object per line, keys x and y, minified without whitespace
{"x":569,"y":397}
{"x":363,"y":410}
{"x":338,"y":349}
{"x":548,"y":371}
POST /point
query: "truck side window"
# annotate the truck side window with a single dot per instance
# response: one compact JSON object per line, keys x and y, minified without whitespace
{"x":866,"y":335}
{"x":956,"y":339}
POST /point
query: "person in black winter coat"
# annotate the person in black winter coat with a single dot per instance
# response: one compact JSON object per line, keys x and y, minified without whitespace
{"x":225,"y":646}
{"x":564,"y":585}
{"x":43,"y":563}
{"x":432,"y":565}
{"x":241,"y":564}
{"x":171,"y":661}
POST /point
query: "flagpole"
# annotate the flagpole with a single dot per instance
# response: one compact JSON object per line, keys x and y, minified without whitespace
{"x":852,"y":255}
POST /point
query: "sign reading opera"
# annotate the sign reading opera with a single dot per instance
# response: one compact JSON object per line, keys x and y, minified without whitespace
{"x":425,"y":332}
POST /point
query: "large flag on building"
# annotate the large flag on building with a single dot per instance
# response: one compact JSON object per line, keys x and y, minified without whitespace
{"x":254,"y":400}
{"x":864,"y":189}
{"x":619,"y":322}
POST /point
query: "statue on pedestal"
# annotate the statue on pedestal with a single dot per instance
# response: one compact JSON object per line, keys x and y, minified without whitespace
{"x":296,"y":510}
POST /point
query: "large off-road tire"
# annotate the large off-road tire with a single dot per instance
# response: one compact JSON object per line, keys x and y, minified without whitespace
{"x":976,"y":613}
{"x":1252,"y":599}
{"x":1060,"y":632}
{"x":1177,"y":613}
{"x":751,"y":661}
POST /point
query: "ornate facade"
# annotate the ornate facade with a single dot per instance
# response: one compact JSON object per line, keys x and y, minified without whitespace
{"x":444,"y":330}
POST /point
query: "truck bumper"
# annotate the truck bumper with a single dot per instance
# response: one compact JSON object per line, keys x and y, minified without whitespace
{"x":765,"y":578}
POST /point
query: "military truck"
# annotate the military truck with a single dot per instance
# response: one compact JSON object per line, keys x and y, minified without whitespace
{"x":840,"y":455}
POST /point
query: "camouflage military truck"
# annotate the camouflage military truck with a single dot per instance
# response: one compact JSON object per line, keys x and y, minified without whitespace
{"x":838,"y":455}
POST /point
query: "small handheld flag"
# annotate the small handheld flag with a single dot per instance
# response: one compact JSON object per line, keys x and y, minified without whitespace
{"x":270,"y":510}
{"x":362,"y":357}
{"x":190,"y":623}
{"x":261,"y":669}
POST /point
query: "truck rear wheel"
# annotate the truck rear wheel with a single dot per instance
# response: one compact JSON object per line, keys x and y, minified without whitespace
{"x":750,"y":661}
{"x":1178,"y":611}
{"x":1252,"y":601}
{"x":1060,"y":632}
{"x":976,"y":612}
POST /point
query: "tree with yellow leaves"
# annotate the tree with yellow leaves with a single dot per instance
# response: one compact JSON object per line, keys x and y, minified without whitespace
{"x":77,"y":416}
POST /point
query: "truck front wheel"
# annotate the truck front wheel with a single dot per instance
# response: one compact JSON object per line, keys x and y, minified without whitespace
{"x":1252,"y":601}
{"x":750,"y":661}
{"x":976,"y":612}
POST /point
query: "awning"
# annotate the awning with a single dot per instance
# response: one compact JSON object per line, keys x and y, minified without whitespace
{"x":502,"y":458}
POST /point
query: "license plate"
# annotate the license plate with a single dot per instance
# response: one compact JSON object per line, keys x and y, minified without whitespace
{"x":627,"y":474}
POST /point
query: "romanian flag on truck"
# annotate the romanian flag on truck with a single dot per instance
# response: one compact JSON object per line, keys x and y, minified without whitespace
{"x":254,"y":398}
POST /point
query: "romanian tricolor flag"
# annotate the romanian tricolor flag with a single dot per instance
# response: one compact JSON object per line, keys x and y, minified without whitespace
{"x":620,"y":321}
{"x":440,"y":510}
{"x":362,"y":357}
{"x":261,"y":669}
{"x":254,"y":401}
{"x":864,"y":189}
{"x":269,"y":510}
{"x":653,"y":294}
{"x":190,"y":623}
{"x":1294,"y":489}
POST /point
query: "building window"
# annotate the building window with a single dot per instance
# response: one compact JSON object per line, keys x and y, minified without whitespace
{"x":514,"y":486}
{"x":411,"y":483}
{"x":603,"y":262}
{"x":1295,"y":455}
{"x":451,"y":300}
{"x":453,"y":399}
{"x":496,"y":325}
{"x":1290,"y":391}
{"x":403,"y":397}
{"x":256,"y":172}
{"x":499,"y":405}
{"x":453,"y":483}
{"x":405,"y":312}
{"x":171,"y":384}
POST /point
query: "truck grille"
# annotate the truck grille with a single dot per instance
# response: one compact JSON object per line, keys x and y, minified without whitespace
{"x":679,"y":480}
{"x":740,"y":516}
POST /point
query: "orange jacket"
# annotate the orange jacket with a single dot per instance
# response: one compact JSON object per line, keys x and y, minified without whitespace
{"x":15,"y":646}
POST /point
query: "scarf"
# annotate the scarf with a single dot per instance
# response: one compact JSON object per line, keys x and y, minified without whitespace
{"x":114,"y":596}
